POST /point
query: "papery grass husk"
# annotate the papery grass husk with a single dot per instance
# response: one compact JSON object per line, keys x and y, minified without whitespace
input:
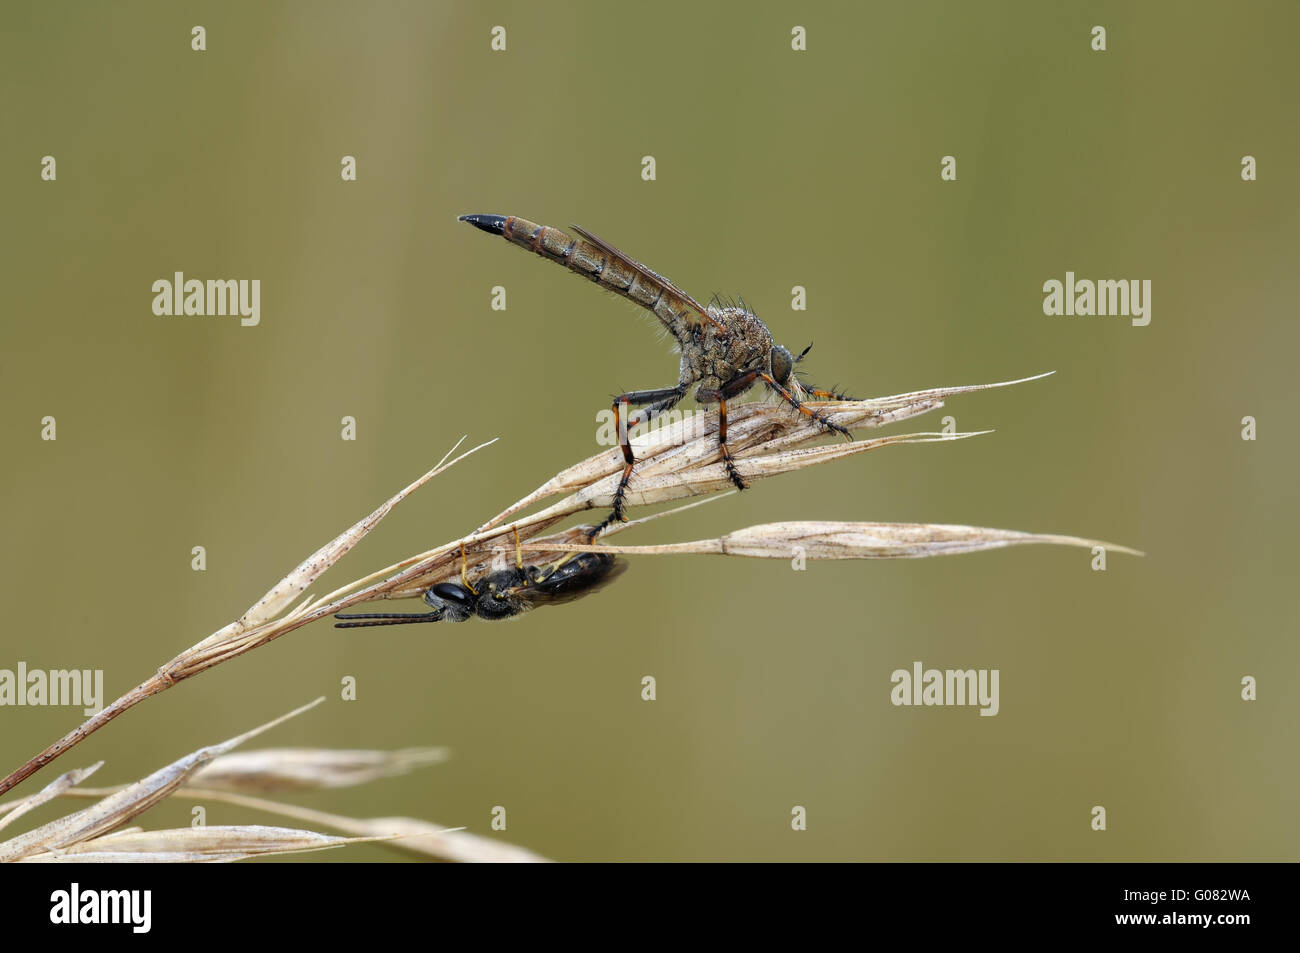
{"x":677,"y":462}
{"x":122,"y":806}
{"x":216,"y":844}
{"x":56,"y":788}
{"x":307,"y":769}
{"x":844,"y":540}
{"x":97,"y":834}
{"x":425,"y":839}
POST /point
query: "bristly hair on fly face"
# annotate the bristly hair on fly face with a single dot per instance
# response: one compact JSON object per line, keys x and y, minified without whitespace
{"x":721,"y":304}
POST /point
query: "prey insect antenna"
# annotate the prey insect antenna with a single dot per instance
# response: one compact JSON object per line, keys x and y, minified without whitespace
{"x":384,"y":618}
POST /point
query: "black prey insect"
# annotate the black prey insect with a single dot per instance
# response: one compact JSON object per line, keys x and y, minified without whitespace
{"x":725,"y":349}
{"x":503,"y":593}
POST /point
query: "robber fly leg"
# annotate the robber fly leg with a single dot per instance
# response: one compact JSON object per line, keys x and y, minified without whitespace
{"x":798,"y":405}
{"x":733,"y":388}
{"x":825,"y":394}
{"x":727,"y":461}
{"x":653,"y":403}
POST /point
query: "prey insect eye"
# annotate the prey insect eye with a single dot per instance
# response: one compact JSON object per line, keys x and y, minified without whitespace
{"x":450,"y":592}
{"x":782,"y":364}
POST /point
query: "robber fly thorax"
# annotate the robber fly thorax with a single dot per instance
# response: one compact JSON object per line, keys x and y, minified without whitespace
{"x":725,"y":350}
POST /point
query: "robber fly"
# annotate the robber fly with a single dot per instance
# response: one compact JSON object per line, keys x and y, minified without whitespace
{"x":504,"y":593}
{"x":725,"y":349}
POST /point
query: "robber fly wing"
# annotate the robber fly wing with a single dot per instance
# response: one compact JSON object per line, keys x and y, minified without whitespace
{"x":652,"y":278}
{"x":600,"y":261}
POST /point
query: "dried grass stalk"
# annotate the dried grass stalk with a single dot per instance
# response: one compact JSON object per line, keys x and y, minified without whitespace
{"x":120,"y":807}
{"x":84,"y":836}
{"x":407,"y":834}
{"x":55,"y":788}
{"x":674,"y":462}
{"x":304,"y":769}
{"x":410,"y":835}
{"x":839,"y":540}
{"x":193,"y":845}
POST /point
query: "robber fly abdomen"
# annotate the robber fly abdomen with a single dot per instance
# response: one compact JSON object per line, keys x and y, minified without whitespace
{"x":725,"y":350}
{"x":504,"y":593}
{"x":594,"y":259}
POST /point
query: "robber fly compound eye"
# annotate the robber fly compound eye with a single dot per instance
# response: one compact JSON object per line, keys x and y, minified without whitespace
{"x":782,"y":364}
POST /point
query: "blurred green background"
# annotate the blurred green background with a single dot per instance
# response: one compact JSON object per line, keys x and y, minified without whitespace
{"x":775,"y":168}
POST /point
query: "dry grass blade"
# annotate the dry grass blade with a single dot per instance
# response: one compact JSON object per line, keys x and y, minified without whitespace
{"x":311,"y":569}
{"x":843,"y":540}
{"x":119,"y":808}
{"x":55,"y":788}
{"x":676,"y":461}
{"x":194,"y":845}
{"x":421,"y":837}
{"x":254,"y":628}
{"x":659,"y":484}
{"x":408,"y":834}
{"x":303,"y":769}
{"x":753,"y":429}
